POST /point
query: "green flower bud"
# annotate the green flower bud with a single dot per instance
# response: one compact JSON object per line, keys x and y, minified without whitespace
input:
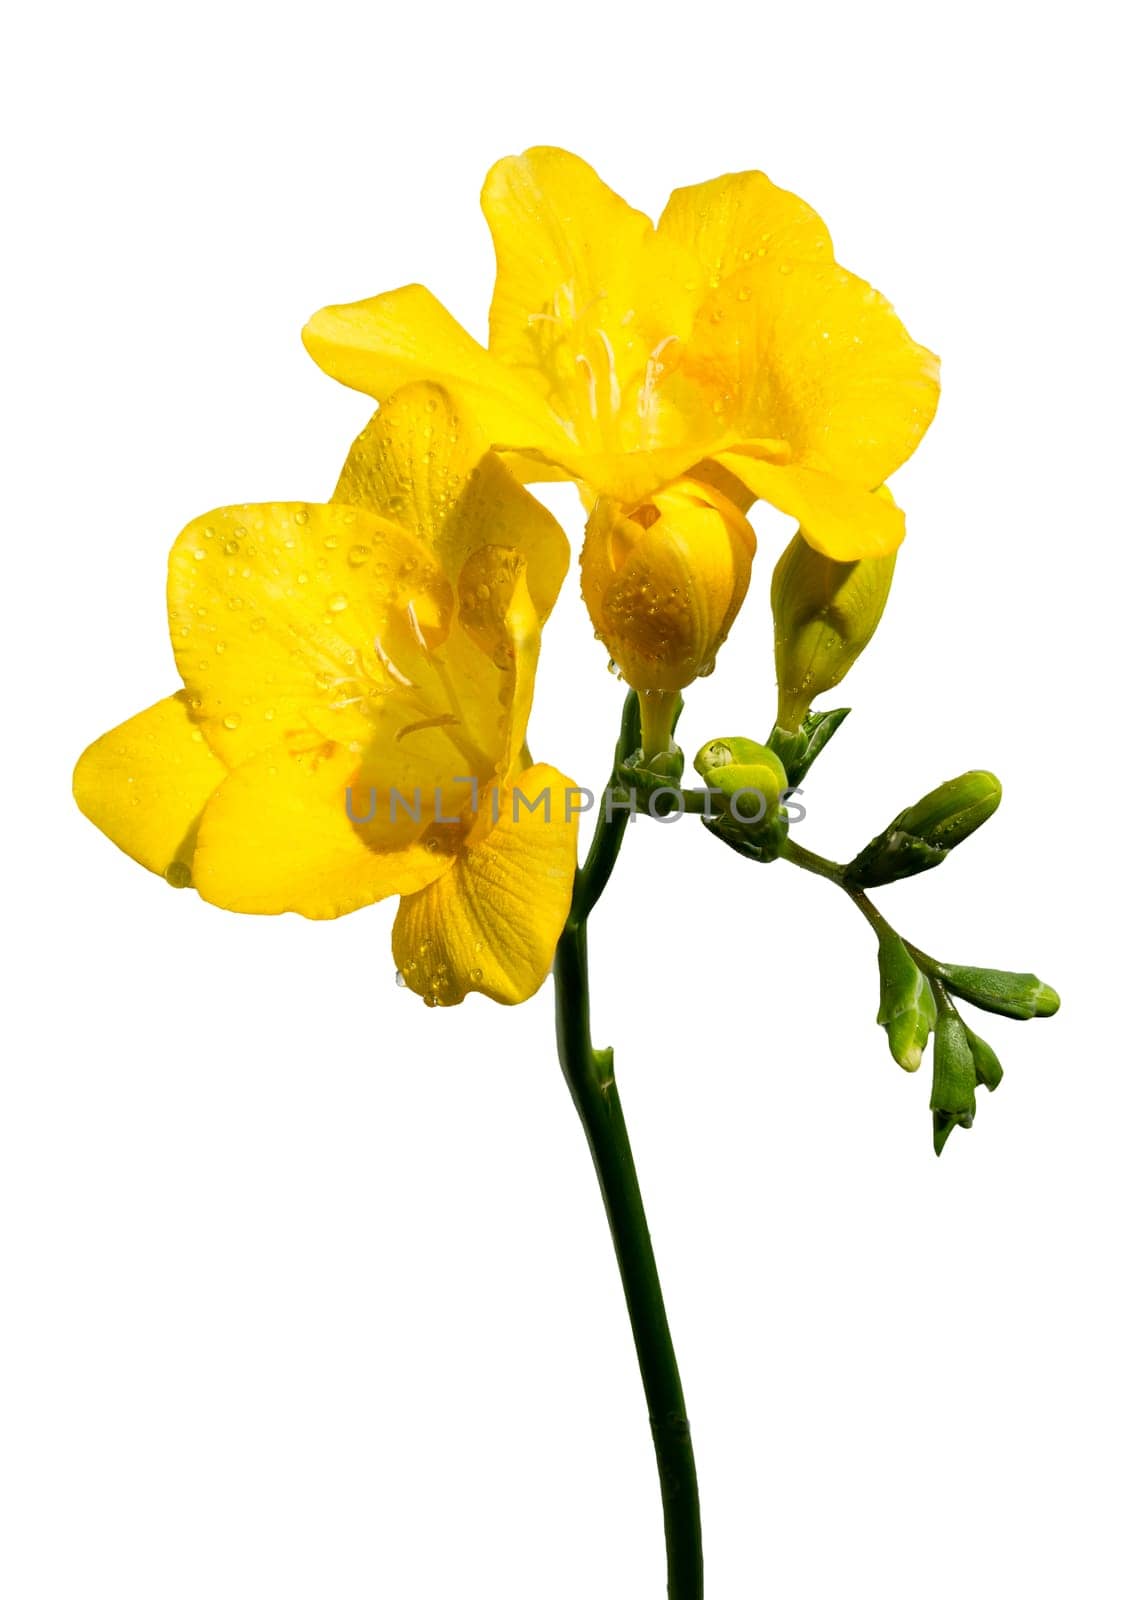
{"x":923,"y":834}
{"x":948,"y":814}
{"x":754,"y":822}
{"x":908,"y":1010}
{"x":988,"y":1069}
{"x":1009,"y":994}
{"x":825,"y":613}
{"x":732,"y":753}
{"x":953,"y":1100}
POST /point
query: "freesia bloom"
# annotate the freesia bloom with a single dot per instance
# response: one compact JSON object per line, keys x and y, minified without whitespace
{"x":627,"y":355}
{"x":358,"y":678}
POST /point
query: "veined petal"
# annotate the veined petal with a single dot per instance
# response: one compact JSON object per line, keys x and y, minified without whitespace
{"x":732,"y":221}
{"x":145,"y":784}
{"x":422,"y":462}
{"x":277,"y":836}
{"x":811,"y":355}
{"x":586,"y":296}
{"x":294,"y":621}
{"x":491,"y":923}
{"x":407,"y":336}
{"x":843,"y":522}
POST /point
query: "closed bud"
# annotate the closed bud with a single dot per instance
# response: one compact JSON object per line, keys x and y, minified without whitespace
{"x":732,"y":753}
{"x":988,"y":1069}
{"x":1009,"y":994}
{"x":949,"y":813}
{"x":752,"y":781}
{"x":908,"y":1011}
{"x":923,"y":834}
{"x":953,"y":1100}
{"x":664,"y":580}
{"x":825,"y":613}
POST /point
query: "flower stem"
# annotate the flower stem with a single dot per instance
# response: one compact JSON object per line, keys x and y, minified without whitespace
{"x":591,"y":1080}
{"x":798,"y":856}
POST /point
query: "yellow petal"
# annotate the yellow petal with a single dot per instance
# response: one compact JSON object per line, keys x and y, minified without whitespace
{"x":586,"y":295}
{"x":840,"y":521}
{"x":491,"y":923}
{"x":497,"y":614}
{"x":277,"y":836}
{"x":811,"y":355}
{"x":276,"y":612}
{"x":421,"y":462}
{"x":732,"y":221}
{"x":145,"y":783}
{"x":633,"y":475}
{"x":406,"y":336}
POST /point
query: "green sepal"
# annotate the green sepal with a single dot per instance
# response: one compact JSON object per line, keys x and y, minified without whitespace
{"x":1009,"y":994}
{"x":663,"y":770}
{"x":988,"y":1069}
{"x":763,"y":843}
{"x":922,"y":835}
{"x":798,"y":751}
{"x":908,"y":1011}
{"x":953,"y":1100}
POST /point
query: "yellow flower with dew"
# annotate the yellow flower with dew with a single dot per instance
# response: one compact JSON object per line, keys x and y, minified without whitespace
{"x":723,"y":343}
{"x":358,"y":678}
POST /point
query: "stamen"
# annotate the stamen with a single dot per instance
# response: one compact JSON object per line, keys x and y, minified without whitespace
{"x":582,"y":361}
{"x":391,"y":667}
{"x":614,"y":391}
{"x":652,"y":373}
{"x":447,"y":720}
{"x":416,"y":626}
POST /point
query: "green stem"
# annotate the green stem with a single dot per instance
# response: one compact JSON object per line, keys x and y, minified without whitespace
{"x":799,"y":856}
{"x":591,"y":1080}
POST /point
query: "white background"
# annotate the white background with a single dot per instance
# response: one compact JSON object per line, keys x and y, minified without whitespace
{"x":307,"y":1290}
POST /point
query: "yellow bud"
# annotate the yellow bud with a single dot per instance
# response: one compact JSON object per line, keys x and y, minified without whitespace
{"x":825,"y":613}
{"x":663,"y":581}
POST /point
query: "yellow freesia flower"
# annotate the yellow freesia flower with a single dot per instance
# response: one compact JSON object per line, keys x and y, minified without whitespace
{"x":358,"y":678}
{"x":627,"y":355}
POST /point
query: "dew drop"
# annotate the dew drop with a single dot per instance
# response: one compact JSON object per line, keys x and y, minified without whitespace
{"x":337,"y":602}
{"x":231,"y":722}
{"x":402,"y":981}
{"x":358,"y":555}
